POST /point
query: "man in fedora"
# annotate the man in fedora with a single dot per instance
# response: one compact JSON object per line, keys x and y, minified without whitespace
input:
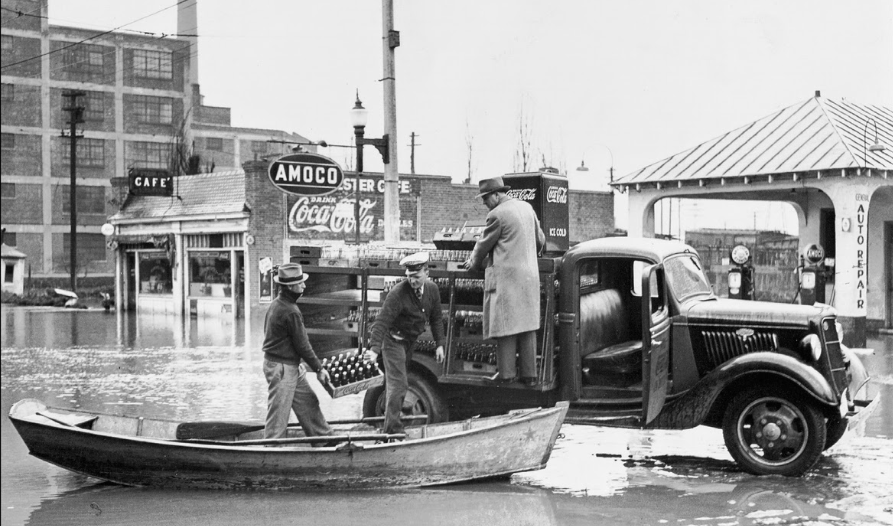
{"x":512,"y":239}
{"x":286,"y":345}
{"x":408,"y":305}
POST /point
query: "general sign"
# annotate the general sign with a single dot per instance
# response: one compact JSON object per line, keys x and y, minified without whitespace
{"x":151,"y":181}
{"x":305,"y":173}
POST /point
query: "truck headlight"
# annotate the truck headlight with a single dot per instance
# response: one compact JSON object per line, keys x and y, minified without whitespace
{"x":811,"y":345}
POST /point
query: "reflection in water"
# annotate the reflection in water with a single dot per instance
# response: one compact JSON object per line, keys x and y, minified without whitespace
{"x":491,"y":504}
{"x":210,"y":369}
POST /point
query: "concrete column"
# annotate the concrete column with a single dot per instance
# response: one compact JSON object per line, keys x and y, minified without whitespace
{"x":851,"y":198}
{"x":641,"y":214}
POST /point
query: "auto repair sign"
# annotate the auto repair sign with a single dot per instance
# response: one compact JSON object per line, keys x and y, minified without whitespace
{"x":305,"y":173}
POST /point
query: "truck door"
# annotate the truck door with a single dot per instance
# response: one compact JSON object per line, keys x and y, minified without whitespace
{"x":655,"y":342}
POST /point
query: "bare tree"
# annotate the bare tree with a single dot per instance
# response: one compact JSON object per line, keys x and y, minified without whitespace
{"x":524,"y":152}
{"x":469,"y":149}
{"x":183,"y":159}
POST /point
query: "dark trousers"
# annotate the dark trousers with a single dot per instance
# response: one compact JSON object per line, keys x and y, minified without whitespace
{"x":396,"y":356}
{"x":523,"y":344}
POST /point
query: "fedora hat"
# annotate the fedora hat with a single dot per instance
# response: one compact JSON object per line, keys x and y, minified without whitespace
{"x":290,"y":274}
{"x":488,"y":186}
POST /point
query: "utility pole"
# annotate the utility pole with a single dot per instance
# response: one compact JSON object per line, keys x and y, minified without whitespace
{"x":75,"y":117}
{"x":412,"y":146}
{"x":390,"y":41}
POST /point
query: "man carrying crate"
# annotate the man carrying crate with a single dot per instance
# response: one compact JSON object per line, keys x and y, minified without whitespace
{"x":402,"y":319}
{"x":286,"y":345}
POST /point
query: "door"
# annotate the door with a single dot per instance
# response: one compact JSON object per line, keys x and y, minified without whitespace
{"x":655,"y":342}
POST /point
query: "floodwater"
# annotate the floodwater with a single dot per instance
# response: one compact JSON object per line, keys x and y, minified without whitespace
{"x":207,"y":369}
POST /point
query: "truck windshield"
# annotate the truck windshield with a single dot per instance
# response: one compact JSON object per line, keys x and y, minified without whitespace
{"x":685,"y":277}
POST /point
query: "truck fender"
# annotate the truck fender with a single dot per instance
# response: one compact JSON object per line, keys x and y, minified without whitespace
{"x":427,"y":365}
{"x":693,"y":407}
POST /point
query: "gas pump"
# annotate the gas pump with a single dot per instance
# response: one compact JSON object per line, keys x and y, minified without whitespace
{"x":741,"y":276}
{"x":812,"y":275}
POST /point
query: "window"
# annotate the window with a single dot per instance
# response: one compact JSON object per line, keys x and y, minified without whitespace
{"x":686,"y":277}
{"x":91,"y":247}
{"x":152,"y":64}
{"x":149,"y":155}
{"x":9,"y":275}
{"x":83,"y":58}
{"x":259,"y":146}
{"x":10,"y":239}
{"x":9,"y":92}
{"x":90,"y":152}
{"x":91,"y":199}
{"x":153,"y":110}
{"x":209,"y":273}
{"x":155,"y":273}
{"x":214,"y":143}
{"x":9,"y":190}
{"x":9,"y":141}
{"x":95,"y":106}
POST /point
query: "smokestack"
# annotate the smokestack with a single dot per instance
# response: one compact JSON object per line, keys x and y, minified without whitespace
{"x":187,"y":24}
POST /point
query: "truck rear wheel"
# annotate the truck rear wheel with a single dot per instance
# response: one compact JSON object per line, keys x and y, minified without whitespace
{"x":773,"y":433}
{"x":421,"y":399}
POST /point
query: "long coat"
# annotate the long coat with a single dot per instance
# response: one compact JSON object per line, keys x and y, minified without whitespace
{"x":512,"y":238}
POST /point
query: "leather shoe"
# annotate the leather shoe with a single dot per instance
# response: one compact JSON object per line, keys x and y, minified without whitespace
{"x":499,"y":379}
{"x":529,"y":381}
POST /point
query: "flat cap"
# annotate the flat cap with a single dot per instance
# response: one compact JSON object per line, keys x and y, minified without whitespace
{"x":415,"y":261}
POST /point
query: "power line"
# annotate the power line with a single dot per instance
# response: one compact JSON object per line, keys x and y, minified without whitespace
{"x":92,"y":37}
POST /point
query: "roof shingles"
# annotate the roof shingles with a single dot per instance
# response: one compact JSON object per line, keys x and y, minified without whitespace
{"x":199,"y":195}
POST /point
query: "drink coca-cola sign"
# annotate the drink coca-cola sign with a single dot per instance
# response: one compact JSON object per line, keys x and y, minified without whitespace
{"x":556,"y":194}
{"x":306,"y":173}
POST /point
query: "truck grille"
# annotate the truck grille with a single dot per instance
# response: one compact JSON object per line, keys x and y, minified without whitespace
{"x":833,"y":353}
{"x":722,"y":346}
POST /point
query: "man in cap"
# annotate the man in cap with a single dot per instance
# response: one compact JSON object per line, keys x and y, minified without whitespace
{"x":408,"y":305}
{"x":512,"y":239}
{"x":286,"y":345}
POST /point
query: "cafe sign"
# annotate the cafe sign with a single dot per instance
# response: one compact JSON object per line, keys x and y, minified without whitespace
{"x":306,"y":174}
{"x":151,"y":181}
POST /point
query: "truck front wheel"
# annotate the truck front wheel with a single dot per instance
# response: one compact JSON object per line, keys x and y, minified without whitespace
{"x":773,"y":433}
{"x":421,"y":399}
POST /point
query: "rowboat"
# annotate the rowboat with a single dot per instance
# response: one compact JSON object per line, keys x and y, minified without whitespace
{"x":139,"y":451}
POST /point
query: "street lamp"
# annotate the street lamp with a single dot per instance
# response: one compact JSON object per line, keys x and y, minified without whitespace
{"x":876,"y":147}
{"x":584,"y":168}
{"x":358,"y":117}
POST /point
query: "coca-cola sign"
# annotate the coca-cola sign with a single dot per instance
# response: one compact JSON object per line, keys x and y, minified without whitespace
{"x":556,"y":194}
{"x":524,"y":194}
{"x":331,"y":215}
{"x":306,"y":173}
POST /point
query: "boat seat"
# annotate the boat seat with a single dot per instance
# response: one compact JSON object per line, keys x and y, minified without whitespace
{"x":607,"y":348}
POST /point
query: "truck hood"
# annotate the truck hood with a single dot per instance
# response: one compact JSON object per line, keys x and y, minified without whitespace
{"x":755,"y":313}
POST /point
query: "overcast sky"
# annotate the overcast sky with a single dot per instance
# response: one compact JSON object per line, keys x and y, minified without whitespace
{"x":636,"y":80}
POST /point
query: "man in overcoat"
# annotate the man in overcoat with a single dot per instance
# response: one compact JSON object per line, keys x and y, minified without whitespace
{"x":512,"y":239}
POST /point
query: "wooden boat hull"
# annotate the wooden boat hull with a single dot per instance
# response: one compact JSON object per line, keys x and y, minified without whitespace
{"x":459,"y":451}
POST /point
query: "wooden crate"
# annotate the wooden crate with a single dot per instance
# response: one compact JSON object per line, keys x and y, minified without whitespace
{"x":305,"y":251}
{"x":476,"y":367}
{"x":354,"y":388}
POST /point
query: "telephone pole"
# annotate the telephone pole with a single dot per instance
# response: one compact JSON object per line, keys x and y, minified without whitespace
{"x":75,"y":117}
{"x":412,"y":146}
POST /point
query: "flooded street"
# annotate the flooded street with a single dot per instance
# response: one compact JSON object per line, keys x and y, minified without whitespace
{"x":207,"y":369}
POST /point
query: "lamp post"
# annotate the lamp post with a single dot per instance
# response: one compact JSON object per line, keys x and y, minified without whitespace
{"x":876,"y":147}
{"x":358,"y":117}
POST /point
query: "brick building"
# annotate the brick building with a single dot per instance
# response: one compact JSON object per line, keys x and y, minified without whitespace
{"x":143,"y":109}
{"x":203,"y":251}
